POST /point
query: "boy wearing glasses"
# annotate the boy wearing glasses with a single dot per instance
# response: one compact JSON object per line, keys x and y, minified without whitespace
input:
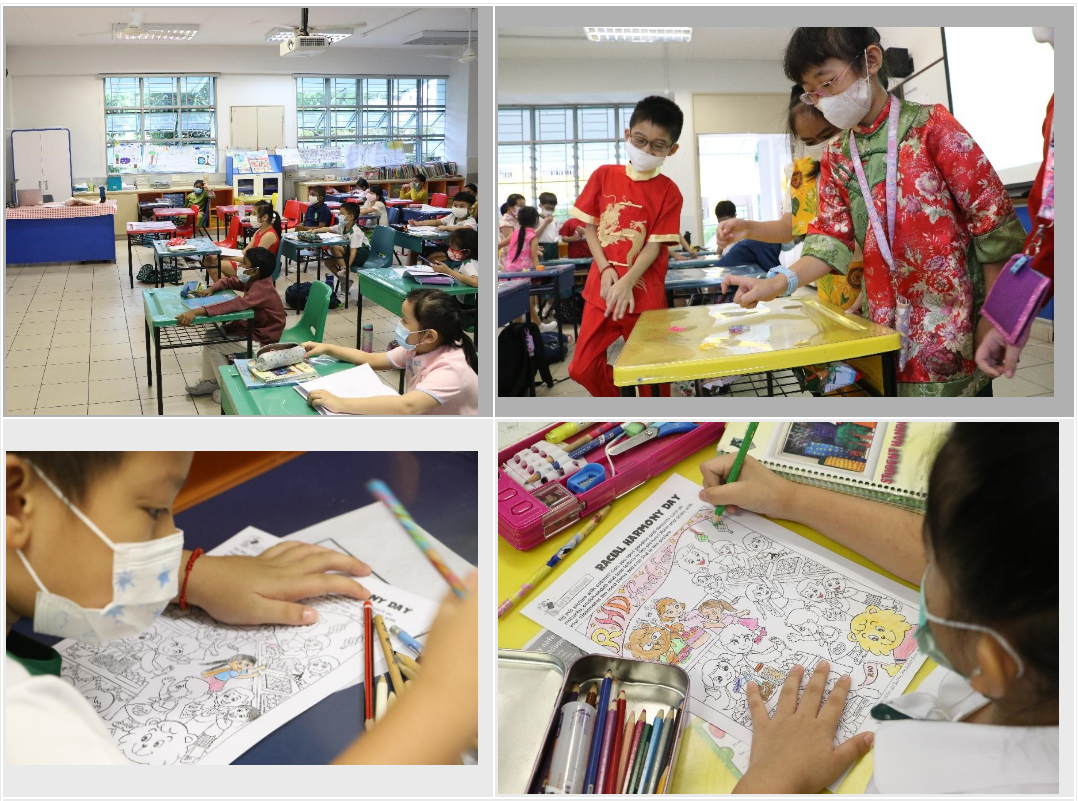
{"x":632,"y":214}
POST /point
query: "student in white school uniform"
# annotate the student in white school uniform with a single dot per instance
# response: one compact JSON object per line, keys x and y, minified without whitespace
{"x":989,"y":619}
{"x":358,"y":247}
{"x":547,"y":230}
{"x":463,"y":245}
{"x":66,"y":511}
{"x":459,"y":217}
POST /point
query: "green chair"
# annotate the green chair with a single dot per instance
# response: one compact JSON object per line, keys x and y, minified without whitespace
{"x":277,"y":268}
{"x":381,"y":247}
{"x":312,"y":324}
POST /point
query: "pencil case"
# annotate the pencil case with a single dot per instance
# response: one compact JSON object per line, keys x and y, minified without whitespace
{"x":533,"y":687}
{"x":1015,"y":298}
{"x":281,"y":354}
{"x":527,"y":518}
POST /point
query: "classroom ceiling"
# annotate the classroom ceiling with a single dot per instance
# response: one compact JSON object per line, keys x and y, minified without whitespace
{"x":386,"y":26}
{"x":723,"y":44}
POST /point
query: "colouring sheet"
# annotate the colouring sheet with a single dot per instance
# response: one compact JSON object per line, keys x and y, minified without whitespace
{"x":740,"y":601}
{"x":192,"y":691}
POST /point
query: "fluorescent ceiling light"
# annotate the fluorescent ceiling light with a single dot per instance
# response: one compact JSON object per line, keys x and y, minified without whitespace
{"x":169,"y":32}
{"x":281,"y":34}
{"x":638,"y":34}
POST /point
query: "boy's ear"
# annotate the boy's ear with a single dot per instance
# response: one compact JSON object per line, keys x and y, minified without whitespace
{"x":672,"y":150}
{"x":20,"y":505}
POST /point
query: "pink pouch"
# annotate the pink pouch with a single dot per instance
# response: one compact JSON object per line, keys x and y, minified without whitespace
{"x":1015,"y":298}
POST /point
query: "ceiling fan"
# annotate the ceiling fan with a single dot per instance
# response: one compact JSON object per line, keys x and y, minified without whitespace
{"x":335,"y":33}
{"x":469,"y":55}
{"x":135,"y":30}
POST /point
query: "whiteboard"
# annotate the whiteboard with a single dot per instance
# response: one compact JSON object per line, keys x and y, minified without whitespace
{"x":1001,"y":80}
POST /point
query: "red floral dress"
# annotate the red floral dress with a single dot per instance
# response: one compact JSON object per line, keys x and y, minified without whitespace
{"x":953,"y":217}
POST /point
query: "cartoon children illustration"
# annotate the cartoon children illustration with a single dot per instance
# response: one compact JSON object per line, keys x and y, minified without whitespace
{"x":651,"y":644}
{"x":671,"y":615}
{"x":695,"y":561}
{"x":175,"y":695}
{"x":818,"y":598}
{"x":714,"y":614}
{"x":728,"y":556}
{"x":884,"y":632}
{"x":761,"y":548}
{"x":233,"y":716}
{"x":804,"y":624}
{"x":768,"y":597}
{"x":720,"y":680}
{"x":239,"y":666}
{"x":172,"y":651}
{"x":317,"y":667}
{"x":748,"y":649}
{"x":840,"y":589}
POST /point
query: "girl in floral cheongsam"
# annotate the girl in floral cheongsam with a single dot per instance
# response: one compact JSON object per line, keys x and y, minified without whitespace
{"x":954,"y":226}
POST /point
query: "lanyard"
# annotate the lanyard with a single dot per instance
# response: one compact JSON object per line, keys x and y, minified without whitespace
{"x":1046,"y":214}
{"x":901,"y":313}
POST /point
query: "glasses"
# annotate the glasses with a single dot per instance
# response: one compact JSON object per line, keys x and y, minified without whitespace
{"x":658,"y":147}
{"x":824,"y":90}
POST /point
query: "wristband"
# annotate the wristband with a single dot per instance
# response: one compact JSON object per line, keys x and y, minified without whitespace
{"x":791,"y":279}
{"x":187,"y":574}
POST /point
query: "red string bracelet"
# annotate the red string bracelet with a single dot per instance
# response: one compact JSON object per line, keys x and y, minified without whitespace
{"x":187,"y":574}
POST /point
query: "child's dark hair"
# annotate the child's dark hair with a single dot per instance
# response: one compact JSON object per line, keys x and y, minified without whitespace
{"x":379,"y":193}
{"x":263,"y":260}
{"x":351,"y":207}
{"x":361,"y":183}
{"x":435,"y":310}
{"x":419,"y":177}
{"x":199,"y":182}
{"x":319,"y":192}
{"x":1000,"y":575}
{"x":265,"y":209}
{"x":511,"y":201}
{"x":463,"y":197}
{"x":548,"y":199}
{"x":811,"y":47}
{"x":528,"y":217}
{"x":797,"y":107}
{"x":73,"y":471}
{"x":473,"y":189}
{"x":661,"y":112}
{"x":725,"y":208}
{"x":465,"y":239}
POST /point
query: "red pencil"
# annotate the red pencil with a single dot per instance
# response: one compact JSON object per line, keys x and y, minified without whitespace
{"x":368,"y":662}
{"x":634,"y":751}
{"x":610,"y":787}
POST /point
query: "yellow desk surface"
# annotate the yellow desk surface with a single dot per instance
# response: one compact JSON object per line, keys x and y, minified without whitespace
{"x":703,"y":766}
{"x":725,"y":339}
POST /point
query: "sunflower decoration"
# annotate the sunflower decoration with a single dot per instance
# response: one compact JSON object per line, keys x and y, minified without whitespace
{"x":796,"y":180}
{"x":855,"y":277}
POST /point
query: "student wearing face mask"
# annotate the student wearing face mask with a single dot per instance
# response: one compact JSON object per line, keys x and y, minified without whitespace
{"x":268,"y":228}
{"x":94,"y":555}
{"x":416,"y":191}
{"x":376,"y":204}
{"x":318,"y":214}
{"x":547,"y":230}
{"x":633,"y":215}
{"x":438,"y":358}
{"x":201,"y":197}
{"x":459,"y":218}
{"x":930,"y":259}
{"x":986,"y":721}
{"x":463,"y":247}
{"x":509,"y":222}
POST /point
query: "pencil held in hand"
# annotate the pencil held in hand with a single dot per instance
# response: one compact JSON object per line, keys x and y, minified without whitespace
{"x":739,"y":460}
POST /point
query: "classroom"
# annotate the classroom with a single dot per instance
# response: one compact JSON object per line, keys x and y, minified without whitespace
{"x":295,"y":167}
{"x":296,"y":634}
{"x":778,"y":607}
{"x":698,"y":256}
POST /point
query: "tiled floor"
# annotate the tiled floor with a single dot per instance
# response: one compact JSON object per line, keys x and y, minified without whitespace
{"x":74,"y":343}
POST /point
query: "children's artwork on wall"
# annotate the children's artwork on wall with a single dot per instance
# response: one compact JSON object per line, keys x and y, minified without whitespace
{"x":740,"y":601}
{"x":191,"y":690}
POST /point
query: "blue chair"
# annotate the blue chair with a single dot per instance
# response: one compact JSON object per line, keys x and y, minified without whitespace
{"x":381,"y":239}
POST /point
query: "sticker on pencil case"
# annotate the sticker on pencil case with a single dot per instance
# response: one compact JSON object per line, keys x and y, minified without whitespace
{"x":733,"y":602}
{"x":191,"y":690}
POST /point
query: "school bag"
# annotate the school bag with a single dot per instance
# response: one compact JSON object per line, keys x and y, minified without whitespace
{"x":521,"y":354}
{"x":295,"y":296}
{"x":147,"y":274}
{"x":571,"y":309}
{"x":555,"y":346}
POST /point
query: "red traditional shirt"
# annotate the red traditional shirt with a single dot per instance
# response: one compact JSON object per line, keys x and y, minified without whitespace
{"x":579,"y":249}
{"x":953,"y":217}
{"x":631,"y":209}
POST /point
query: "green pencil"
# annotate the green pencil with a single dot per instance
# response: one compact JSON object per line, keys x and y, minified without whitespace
{"x":735,"y":471}
{"x":638,"y":766}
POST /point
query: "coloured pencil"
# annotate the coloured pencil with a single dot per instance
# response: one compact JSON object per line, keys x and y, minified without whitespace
{"x":607,"y":760}
{"x":735,"y":471}
{"x":407,"y":672}
{"x":668,"y":753}
{"x":381,"y":698}
{"x":392,"y":699}
{"x":407,"y":639}
{"x":588,"y":437}
{"x":542,"y":572}
{"x":641,"y":759}
{"x":634,"y":750}
{"x":387,"y":651}
{"x":615,"y":749}
{"x":592,"y":696}
{"x":597,"y":733}
{"x":368,"y":662}
{"x":381,"y":491}
{"x":404,"y":659}
{"x":660,"y":745}
{"x":623,"y":760}
{"x":662,"y":781}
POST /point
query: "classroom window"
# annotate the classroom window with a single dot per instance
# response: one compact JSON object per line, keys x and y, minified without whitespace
{"x":555,"y":148}
{"x":157,"y":110}
{"x":408,"y":110}
{"x":745,"y":169}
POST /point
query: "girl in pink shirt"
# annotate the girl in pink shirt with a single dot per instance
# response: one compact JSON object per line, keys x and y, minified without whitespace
{"x":522,"y":252}
{"x":438,"y":358}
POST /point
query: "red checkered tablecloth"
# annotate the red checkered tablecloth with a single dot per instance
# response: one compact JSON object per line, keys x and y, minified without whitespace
{"x":59,"y":210}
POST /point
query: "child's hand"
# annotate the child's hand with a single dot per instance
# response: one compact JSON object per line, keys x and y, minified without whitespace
{"x":757,"y":489}
{"x":321,"y":398}
{"x":315,"y":348}
{"x":992,"y":353}
{"x":439,"y":267}
{"x":205,"y":292}
{"x":186,"y":318}
{"x":732,"y":230}
{"x":794,"y":751}
{"x":619,"y":299}
{"x":751,"y":291}
{"x":607,"y":278}
{"x":252,"y":590}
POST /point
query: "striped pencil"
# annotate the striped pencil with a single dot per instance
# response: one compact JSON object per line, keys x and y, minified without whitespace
{"x":598,"y":732}
{"x":610,"y":786}
{"x":641,"y":757}
{"x":607,"y":760}
{"x":381,"y":491}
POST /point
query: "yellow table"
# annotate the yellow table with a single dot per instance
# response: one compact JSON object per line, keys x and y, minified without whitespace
{"x":703,"y":767}
{"x":698,"y":342}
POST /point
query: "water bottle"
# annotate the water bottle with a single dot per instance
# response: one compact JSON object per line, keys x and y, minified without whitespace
{"x":102,"y":188}
{"x":366,"y":342}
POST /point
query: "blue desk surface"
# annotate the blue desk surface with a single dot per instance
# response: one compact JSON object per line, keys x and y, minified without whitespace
{"x":707,"y":276}
{"x":688,"y":264}
{"x":441,"y":491}
{"x":560,"y":276}
{"x":512,"y":300}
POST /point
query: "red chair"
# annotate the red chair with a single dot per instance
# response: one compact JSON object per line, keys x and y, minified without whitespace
{"x":233,"y":233}
{"x":293,"y":213}
{"x":187,"y":229}
{"x":440,"y":200}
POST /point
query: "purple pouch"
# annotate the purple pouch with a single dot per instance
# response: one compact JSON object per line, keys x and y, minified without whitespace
{"x":1015,"y":298}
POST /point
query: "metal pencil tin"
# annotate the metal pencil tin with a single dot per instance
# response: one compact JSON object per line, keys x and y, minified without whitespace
{"x":528,"y":710}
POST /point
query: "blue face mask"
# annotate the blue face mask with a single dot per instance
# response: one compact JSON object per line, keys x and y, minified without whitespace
{"x":926,"y":641}
{"x":198,"y":191}
{"x":403,"y":334}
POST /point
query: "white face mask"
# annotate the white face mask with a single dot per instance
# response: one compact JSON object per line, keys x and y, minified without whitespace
{"x":849,"y":108}
{"x":641,"y":161}
{"x":1045,"y":35}
{"x":458,"y":212}
{"x":815,"y":152}
{"x":144,"y":580}
{"x":371,"y":198}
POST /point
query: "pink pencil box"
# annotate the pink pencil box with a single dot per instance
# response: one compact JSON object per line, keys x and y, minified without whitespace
{"x":527,"y":518}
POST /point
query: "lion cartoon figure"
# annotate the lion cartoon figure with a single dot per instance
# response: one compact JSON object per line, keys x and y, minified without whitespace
{"x":884,"y":632}
{"x":652,"y":644}
{"x":156,"y":743}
